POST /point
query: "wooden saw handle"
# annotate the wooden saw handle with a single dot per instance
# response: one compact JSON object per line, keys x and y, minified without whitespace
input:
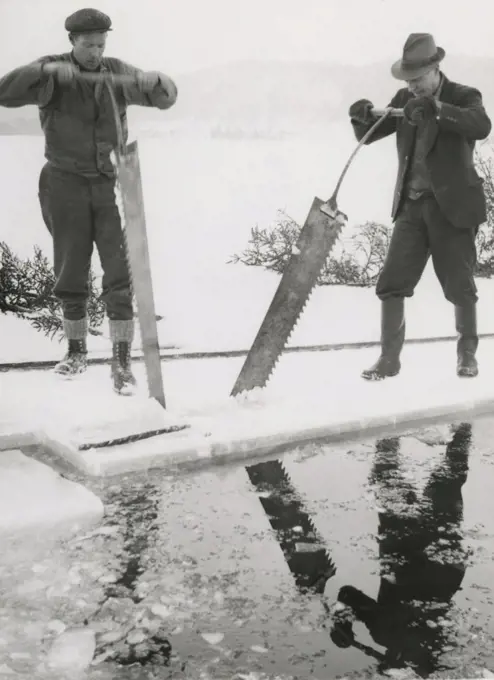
{"x":394,"y":113}
{"x":107,"y":77}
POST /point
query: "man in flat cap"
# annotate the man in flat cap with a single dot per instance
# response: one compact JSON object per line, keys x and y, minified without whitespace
{"x":77,"y":183}
{"x":439,"y":201}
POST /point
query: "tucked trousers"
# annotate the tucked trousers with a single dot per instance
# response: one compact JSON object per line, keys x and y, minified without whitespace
{"x":80,"y":212}
{"x":421,"y":231}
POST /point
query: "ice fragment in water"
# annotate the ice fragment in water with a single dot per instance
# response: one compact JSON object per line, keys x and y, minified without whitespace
{"x":73,"y":650}
{"x":213,"y":638}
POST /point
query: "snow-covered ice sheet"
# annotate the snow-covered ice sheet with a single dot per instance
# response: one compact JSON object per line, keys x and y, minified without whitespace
{"x":76,"y":412}
{"x":34,"y":498}
{"x":222,"y":309}
{"x":313,"y":394}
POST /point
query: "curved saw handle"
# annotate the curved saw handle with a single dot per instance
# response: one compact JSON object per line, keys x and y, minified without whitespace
{"x":331,"y":207}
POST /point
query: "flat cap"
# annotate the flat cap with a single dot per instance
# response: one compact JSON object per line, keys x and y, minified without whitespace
{"x":87,"y":20}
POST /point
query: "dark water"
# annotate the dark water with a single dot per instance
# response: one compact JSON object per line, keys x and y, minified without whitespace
{"x":338,"y":561}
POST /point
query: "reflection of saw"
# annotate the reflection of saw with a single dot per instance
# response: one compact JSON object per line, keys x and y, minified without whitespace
{"x":302,"y":546}
{"x":317,"y":237}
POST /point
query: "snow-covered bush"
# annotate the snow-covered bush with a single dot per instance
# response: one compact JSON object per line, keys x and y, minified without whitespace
{"x":485,"y":237}
{"x":354,"y":262}
{"x":26,"y":290}
{"x":358,"y":259}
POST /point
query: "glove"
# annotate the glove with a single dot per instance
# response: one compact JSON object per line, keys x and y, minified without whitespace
{"x":64,"y":71}
{"x":147,"y":81}
{"x":361,"y":111}
{"x":420,"y":109}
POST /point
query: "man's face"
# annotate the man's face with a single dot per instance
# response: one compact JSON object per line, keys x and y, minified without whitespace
{"x":426,"y":85}
{"x":89,"y":49}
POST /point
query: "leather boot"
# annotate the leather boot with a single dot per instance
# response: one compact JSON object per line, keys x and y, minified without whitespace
{"x":392,"y":339}
{"x":468,"y":340}
{"x":75,"y":360}
{"x":123,"y":380}
{"x":122,"y":334}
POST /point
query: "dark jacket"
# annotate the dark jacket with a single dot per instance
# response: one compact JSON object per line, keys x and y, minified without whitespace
{"x":77,"y":119}
{"x":450,"y":144}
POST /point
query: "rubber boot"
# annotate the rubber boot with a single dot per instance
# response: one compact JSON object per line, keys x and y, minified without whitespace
{"x":392,"y":339}
{"x":468,"y":340}
{"x":75,"y":361}
{"x":121,"y":334}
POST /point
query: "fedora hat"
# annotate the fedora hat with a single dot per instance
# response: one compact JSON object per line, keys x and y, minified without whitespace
{"x":420,"y":55}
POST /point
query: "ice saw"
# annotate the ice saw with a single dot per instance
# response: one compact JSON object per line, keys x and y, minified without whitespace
{"x":317,"y":237}
{"x":130,"y":202}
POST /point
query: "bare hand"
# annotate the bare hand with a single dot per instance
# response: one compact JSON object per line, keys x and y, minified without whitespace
{"x":64,"y":71}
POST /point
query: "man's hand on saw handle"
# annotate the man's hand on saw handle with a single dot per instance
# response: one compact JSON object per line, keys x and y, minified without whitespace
{"x":362,"y":111}
{"x":63,"y":71}
{"x":66,"y":73}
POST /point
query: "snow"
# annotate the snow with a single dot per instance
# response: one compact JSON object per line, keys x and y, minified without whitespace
{"x":55,"y":503}
{"x":202,"y":197}
{"x":310,"y":395}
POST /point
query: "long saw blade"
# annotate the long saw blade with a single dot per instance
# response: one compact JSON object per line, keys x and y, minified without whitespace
{"x":129,"y":196}
{"x":317,"y":238}
{"x":130,"y":203}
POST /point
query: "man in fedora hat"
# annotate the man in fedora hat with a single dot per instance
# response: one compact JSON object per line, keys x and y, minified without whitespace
{"x":77,"y":183}
{"x":439,"y":201}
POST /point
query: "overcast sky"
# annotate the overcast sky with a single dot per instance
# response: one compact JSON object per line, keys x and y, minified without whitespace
{"x":184,"y":35}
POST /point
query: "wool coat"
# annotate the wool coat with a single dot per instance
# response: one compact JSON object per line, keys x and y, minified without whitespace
{"x":450,"y":140}
{"x":78,"y":120}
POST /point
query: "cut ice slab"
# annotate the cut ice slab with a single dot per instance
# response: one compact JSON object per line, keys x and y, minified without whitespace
{"x":85,"y":412}
{"x":311,"y":396}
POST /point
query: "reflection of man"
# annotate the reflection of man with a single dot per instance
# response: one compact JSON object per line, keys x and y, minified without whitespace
{"x":415,"y":589}
{"x":439,"y":201}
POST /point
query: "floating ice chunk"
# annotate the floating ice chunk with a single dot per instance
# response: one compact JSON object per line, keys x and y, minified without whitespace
{"x":213,"y":638}
{"x":73,"y":650}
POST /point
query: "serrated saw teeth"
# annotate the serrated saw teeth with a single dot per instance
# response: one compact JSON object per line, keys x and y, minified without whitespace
{"x":121,"y":210}
{"x":301,"y":274}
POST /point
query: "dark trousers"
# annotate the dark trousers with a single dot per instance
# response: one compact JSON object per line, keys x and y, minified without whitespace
{"x":420,"y":231}
{"x":80,"y":212}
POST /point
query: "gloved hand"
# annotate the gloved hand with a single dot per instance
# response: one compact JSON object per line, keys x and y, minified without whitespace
{"x":420,"y":109}
{"x":147,"y":80}
{"x":64,"y":71}
{"x":361,"y":111}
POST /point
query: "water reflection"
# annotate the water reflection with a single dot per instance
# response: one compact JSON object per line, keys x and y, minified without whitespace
{"x":302,"y":547}
{"x":422,"y":560}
